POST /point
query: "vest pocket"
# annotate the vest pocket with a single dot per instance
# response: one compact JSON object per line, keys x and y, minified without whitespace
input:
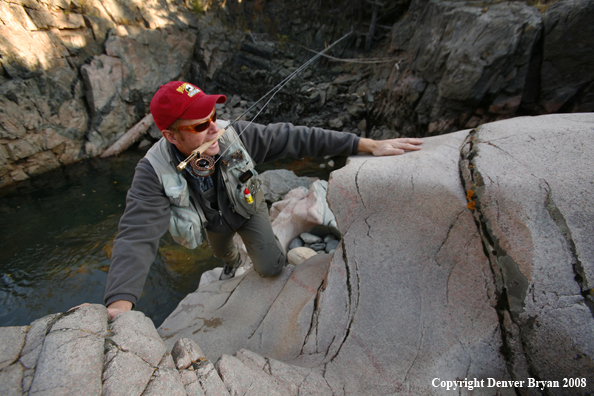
{"x":254,"y":185}
{"x":185,"y":227}
{"x":176,"y":189}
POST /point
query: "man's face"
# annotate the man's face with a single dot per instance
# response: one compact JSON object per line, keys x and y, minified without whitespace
{"x":187,"y":141}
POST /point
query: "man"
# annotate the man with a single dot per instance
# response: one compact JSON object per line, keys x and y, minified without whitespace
{"x":195,"y":206}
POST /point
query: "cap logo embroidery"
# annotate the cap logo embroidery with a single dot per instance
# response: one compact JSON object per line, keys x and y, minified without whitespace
{"x":189,"y":89}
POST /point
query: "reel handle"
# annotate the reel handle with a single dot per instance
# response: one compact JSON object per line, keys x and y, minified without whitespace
{"x":202,"y":148}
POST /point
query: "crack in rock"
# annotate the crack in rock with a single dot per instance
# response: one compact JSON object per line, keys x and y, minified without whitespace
{"x":448,"y":235}
{"x":111,"y":344}
{"x":313,"y":325}
{"x":230,"y":293}
{"x":506,"y":270}
{"x":269,"y":308}
{"x":357,"y":184}
{"x":473,"y":183}
{"x":353,"y":302}
{"x":586,"y":288}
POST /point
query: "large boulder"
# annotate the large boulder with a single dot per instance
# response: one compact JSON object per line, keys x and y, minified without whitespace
{"x":410,"y":297}
{"x":530,"y":185}
{"x":396,"y":305}
{"x":466,"y":63}
{"x":431,"y":283}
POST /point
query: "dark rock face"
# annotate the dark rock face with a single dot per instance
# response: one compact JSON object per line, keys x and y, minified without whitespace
{"x":464,"y":65}
{"x":468,"y":63}
{"x":567,"y":75}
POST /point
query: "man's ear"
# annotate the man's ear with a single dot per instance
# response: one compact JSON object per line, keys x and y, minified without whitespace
{"x":170,"y":136}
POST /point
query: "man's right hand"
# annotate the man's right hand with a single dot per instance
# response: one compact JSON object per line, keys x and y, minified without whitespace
{"x":117,"y":307}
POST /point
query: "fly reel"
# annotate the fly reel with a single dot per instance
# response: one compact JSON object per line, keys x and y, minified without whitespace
{"x":202,"y":166}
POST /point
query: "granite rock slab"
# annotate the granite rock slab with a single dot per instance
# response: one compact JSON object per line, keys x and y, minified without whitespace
{"x":72,"y":354}
{"x":531,"y":183}
{"x":417,"y":291}
{"x":223,"y":316}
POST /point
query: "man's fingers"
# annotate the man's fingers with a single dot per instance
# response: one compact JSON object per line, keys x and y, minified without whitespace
{"x":398,"y":146}
{"x":411,"y":140}
{"x":410,"y":146}
{"x":387,"y":150}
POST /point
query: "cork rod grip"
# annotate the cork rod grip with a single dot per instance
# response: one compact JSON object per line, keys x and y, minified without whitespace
{"x":202,"y":148}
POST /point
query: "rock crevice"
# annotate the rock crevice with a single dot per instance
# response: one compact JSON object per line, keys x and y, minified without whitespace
{"x":578,"y":267}
{"x":505,"y":268}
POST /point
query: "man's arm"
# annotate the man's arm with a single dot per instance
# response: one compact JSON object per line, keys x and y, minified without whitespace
{"x":275,"y":141}
{"x":142,"y":225}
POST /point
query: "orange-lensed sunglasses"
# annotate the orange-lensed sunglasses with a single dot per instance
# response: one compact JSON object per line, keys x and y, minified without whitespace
{"x":201,"y":126}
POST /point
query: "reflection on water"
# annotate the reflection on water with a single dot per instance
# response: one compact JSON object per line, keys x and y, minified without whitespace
{"x":56,"y":234}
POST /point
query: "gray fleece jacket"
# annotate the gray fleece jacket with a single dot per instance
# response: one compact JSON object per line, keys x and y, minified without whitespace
{"x":146,"y":218}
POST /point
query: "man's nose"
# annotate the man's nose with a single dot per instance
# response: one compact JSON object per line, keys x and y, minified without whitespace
{"x":213,"y":128}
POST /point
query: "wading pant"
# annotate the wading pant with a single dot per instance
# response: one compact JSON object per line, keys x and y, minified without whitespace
{"x":265,"y":250}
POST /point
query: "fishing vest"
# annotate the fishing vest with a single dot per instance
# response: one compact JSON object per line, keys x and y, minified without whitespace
{"x":187,"y":221}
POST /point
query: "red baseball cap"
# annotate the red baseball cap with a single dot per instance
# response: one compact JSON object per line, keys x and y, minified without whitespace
{"x":178,"y":99}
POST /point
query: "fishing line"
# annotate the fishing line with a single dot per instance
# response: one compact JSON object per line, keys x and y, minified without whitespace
{"x":272,"y":92}
{"x":277,"y":89}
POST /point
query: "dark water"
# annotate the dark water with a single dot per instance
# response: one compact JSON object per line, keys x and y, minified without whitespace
{"x":56,"y":233}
